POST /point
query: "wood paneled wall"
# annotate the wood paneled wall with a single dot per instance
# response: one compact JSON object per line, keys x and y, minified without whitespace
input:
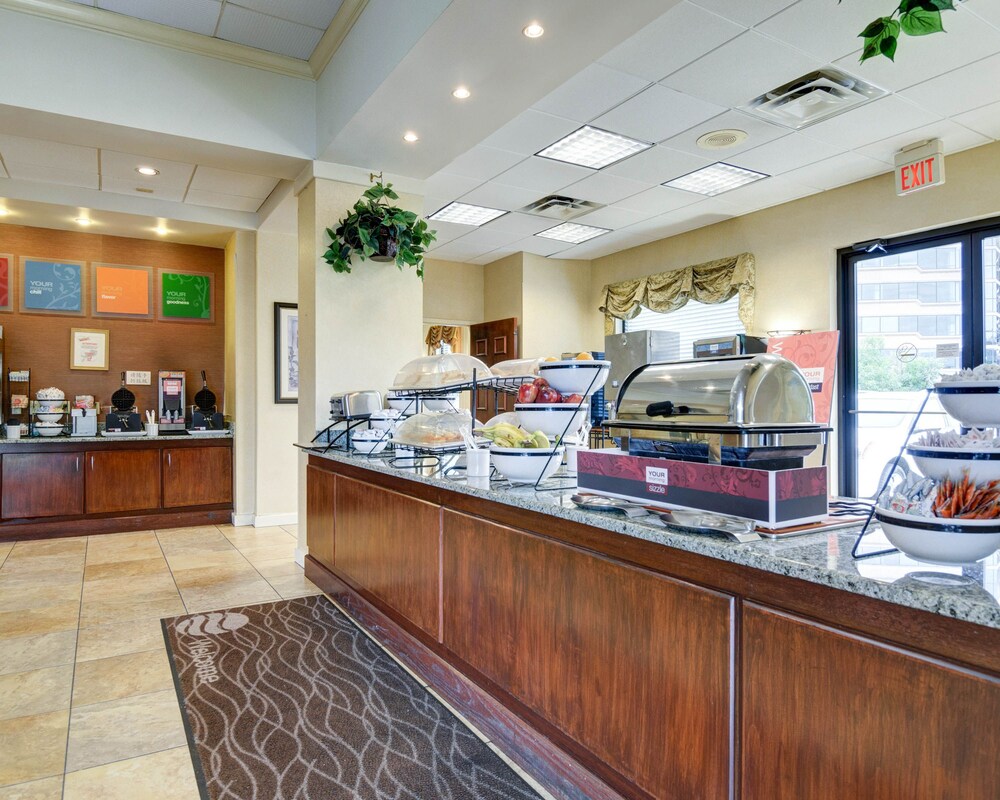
{"x":41,"y":342}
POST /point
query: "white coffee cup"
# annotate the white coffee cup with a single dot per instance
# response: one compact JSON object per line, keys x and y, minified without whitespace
{"x":477,"y":462}
{"x":571,"y":452}
{"x":14,"y":431}
{"x":152,"y":429}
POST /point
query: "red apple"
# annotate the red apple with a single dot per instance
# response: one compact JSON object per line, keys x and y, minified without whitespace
{"x":549,"y":395}
{"x":573,"y":398}
{"x":540,"y":382}
{"x":527,"y":393}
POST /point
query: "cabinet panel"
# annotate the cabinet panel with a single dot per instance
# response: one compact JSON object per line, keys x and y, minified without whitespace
{"x":122,"y":480}
{"x":633,"y":666}
{"x":42,"y":485}
{"x":389,"y":545}
{"x":197,"y":476}
{"x":827,"y":715}
{"x":320,"y":499}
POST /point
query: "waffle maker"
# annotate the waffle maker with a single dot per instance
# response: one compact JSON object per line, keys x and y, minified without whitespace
{"x":204,"y":415}
{"x":123,"y":415}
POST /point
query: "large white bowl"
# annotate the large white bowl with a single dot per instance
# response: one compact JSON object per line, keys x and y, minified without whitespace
{"x":448,"y":402}
{"x":975,"y":404}
{"x":942,"y":463}
{"x":940,"y":541}
{"x":408,"y":405}
{"x":575,"y":377}
{"x":48,"y":430}
{"x":370,"y":445}
{"x":552,"y":419}
{"x":525,"y":464}
{"x":49,"y":416}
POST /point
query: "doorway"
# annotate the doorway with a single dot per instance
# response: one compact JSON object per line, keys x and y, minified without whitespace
{"x":493,"y":342}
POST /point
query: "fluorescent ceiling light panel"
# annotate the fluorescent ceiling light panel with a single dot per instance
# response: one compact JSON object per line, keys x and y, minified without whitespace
{"x":573,"y":232}
{"x":715,"y":179}
{"x":465,"y":214}
{"x":593,"y":147}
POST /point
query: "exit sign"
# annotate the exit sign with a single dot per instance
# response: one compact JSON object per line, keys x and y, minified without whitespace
{"x":919,"y":166}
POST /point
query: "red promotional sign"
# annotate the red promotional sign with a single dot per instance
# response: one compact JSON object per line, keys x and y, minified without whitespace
{"x":5,"y":282}
{"x":816,"y":355}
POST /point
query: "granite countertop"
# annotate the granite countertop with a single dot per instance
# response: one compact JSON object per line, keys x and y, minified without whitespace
{"x":63,"y":439}
{"x":823,"y":558}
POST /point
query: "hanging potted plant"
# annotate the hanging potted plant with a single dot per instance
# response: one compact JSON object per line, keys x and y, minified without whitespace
{"x":377,"y":230}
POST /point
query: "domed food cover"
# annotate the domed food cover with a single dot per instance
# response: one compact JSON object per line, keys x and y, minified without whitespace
{"x":445,"y":371}
{"x":434,"y":431}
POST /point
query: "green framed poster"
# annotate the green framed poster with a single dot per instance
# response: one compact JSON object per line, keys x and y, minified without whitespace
{"x":186,"y":296}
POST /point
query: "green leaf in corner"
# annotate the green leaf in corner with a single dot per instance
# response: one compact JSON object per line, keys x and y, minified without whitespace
{"x":875,"y":29}
{"x":365,"y":237}
{"x":927,"y":5}
{"x":920,"y":22}
{"x":887,"y":46}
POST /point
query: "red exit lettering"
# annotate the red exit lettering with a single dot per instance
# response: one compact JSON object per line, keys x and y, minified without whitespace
{"x":913,"y":176}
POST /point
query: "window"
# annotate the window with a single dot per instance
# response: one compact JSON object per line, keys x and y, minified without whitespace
{"x":694,"y":321}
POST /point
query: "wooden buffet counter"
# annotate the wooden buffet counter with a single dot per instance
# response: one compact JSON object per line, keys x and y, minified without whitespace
{"x":613,"y":662}
{"x":104,"y":485}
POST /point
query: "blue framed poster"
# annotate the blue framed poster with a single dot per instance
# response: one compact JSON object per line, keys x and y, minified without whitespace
{"x":52,"y":287}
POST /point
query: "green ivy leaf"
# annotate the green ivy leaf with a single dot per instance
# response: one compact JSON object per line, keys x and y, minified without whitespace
{"x":920,"y":22}
{"x":876,"y":28}
{"x":888,"y":29}
{"x":365,"y":237}
{"x":887,"y":47}
{"x":927,"y":5}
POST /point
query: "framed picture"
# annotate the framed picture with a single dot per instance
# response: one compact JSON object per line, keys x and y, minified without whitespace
{"x":6,"y":281}
{"x":286,"y":353}
{"x":51,"y":287}
{"x":121,"y":291}
{"x":186,"y":296}
{"x":88,"y":349}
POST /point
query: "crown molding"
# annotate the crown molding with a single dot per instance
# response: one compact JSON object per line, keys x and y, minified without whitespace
{"x":343,"y":22}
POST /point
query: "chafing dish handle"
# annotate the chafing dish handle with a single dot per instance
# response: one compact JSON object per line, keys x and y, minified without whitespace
{"x":666,"y":408}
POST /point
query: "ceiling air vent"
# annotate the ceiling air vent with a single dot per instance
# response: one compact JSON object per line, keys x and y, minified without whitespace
{"x":557,"y":206}
{"x":812,"y":98}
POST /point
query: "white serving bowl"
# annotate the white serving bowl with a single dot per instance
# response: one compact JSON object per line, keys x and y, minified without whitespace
{"x":50,"y":429}
{"x":975,"y":404}
{"x":447,"y":402}
{"x":552,"y":419}
{"x":370,"y":442}
{"x":940,"y":541}
{"x":575,"y":377}
{"x":943,"y":463}
{"x":408,"y":405}
{"x":49,"y":406}
{"x":49,"y":416}
{"x":386,"y":419}
{"x":526,"y":464}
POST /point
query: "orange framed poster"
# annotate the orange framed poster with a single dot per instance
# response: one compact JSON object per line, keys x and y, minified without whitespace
{"x":122,"y":291}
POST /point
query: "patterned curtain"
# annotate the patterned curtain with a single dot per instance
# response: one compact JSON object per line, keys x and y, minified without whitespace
{"x":449,"y":334}
{"x":712,"y":282}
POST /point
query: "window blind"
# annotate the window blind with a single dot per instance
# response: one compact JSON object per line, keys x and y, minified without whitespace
{"x":694,"y":321}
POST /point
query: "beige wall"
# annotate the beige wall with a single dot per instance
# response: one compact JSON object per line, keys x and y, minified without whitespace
{"x":453,"y":292}
{"x":502,"y":281}
{"x":557,"y":308}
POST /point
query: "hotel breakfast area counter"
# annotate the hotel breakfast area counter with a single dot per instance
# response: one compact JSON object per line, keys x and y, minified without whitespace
{"x":615,"y":658}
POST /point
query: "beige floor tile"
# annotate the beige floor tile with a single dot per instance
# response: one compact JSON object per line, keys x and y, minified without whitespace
{"x":45,"y":789}
{"x":34,"y":621}
{"x":24,"y":653}
{"x":118,"y":547}
{"x":138,"y":567}
{"x":270,"y":553}
{"x":167,"y":775}
{"x":18,"y":596}
{"x":33,"y":747}
{"x":70,"y":546}
{"x":119,"y":639}
{"x":245,"y":542}
{"x":292,"y":529}
{"x":69,"y":566}
{"x":121,"y":676}
{"x":143,"y":587}
{"x":294,"y":586}
{"x":121,"y":729}
{"x":192,"y":540}
{"x":209,"y":576}
{"x":105,"y":612}
{"x":5,"y":548}
{"x":199,"y":600}
{"x":23,"y":694}
{"x":41,"y":577}
{"x":278,"y":568}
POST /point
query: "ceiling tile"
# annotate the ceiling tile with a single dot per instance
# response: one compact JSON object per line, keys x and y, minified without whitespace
{"x":487,"y":238}
{"x":787,"y":153}
{"x":602,"y":246}
{"x":837,"y":171}
{"x":16,"y":149}
{"x":43,"y":174}
{"x":613,"y":217}
{"x":606,"y":189}
{"x":315,"y":13}
{"x":741,"y":70}
{"x":267,"y":33}
{"x":542,"y":175}
{"x":659,"y":200}
{"x":211,"y":179}
{"x":541,"y":246}
{"x":498,"y":195}
{"x":871,"y":122}
{"x":591,"y":92}
{"x":444,"y":184}
{"x":955,"y":138}
{"x":127,"y":186}
{"x":745,"y":12}
{"x":759,"y":132}
{"x":199,"y":16}
{"x":446,"y":231}
{"x":122,"y":166}
{"x":985,"y":120}
{"x":988,"y":10}
{"x":530,"y":131}
{"x":200,"y":197}
{"x":519,"y":224}
{"x":657,"y":114}
{"x":959,"y":91}
{"x":658,"y":164}
{"x":763,"y":194}
{"x":491,"y":256}
{"x":458,"y":250}
{"x":822,"y":29}
{"x":483,"y":162}
{"x":667,"y":44}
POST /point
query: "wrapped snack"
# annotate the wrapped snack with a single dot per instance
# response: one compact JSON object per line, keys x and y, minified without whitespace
{"x":965,"y":500}
{"x":975,"y":439}
{"x":984,"y":372}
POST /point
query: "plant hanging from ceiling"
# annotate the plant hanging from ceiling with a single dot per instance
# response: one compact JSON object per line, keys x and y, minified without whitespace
{"x":915,"y":18}
{"x":377,"y":230}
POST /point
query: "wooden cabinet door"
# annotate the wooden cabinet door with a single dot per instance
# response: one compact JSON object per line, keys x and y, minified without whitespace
{"x":320,"y":499}
{"x":122,"y":480}
{"x":828,"y":716}
{"x":42,"y":485}
{"x":389,"y":544}
{"x":633,"y":666}
{"x":493,"y":342}
{"x":197,"y":476}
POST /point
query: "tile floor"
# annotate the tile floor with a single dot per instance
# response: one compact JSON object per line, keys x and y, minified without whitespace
{"x":87,"y":704}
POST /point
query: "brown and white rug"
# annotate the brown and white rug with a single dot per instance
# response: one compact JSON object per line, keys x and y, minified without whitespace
{"x":291,"y":701}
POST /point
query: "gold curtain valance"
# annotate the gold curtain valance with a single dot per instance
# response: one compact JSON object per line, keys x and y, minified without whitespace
{"x":712,"y":282}
{"x":450,"y":334}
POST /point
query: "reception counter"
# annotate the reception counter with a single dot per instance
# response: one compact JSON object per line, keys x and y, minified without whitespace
{"x":612,"y":658}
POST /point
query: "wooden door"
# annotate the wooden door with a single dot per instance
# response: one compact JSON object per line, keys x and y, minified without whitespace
{"x":42,"y":485}
{"x":320,"y":519}
{"x":493,"y":342}
{"x":122,"y":480}
{"x":197,"y":476}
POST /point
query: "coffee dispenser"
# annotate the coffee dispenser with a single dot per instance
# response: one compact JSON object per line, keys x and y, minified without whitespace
{"x":171,"y":400}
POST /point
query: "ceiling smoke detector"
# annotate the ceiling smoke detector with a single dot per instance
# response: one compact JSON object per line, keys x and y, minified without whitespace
{"x":720,"y":140}
{"x":813,"y":98}
{"x":557,"y":206}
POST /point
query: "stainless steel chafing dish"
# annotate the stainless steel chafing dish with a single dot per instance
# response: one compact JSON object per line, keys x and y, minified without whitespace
{"x":750,"y":410}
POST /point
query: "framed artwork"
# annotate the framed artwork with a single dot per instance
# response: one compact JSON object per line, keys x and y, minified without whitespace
{"x":51,"y":287}
{"x":286,"y":353}
{"x":186,"y":296}
{"x":88,"y":349}
{"x":6,"y":281}
{"x":121,"y":291}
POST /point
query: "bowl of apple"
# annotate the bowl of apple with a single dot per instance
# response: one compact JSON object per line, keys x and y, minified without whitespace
{"x":581,"y":375}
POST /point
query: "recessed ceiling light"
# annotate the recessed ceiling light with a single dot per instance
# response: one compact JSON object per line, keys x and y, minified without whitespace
{"x":533,"y":30}
{"x":147,"y":171}
{"x":715,"y":179}
{"x":465,"y":214}
{"x":461,"y":93}
{"x":593,"y":147}
{"x":410,"y":136}
{"x":84,"y":221}
{"x":573,"y":232}
{"x":721,"y":140}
